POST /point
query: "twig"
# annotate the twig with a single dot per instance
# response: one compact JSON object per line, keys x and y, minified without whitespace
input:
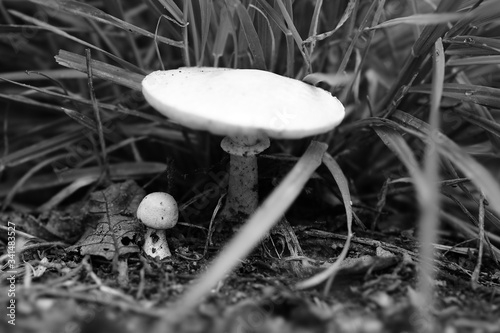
{"x":477,"y":269}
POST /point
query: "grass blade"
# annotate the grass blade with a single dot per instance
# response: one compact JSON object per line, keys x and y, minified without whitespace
{"x":90,"y":12}
{"x":429,"y":198}
{"x":101,"y":70}
{"x":420,"y":19}
{"x":330,"y":272}
{"x":250,"y":33}
{"x":59,"y":32}
{"x":258,"y":225}
{"x":472,"y":169}
{"x":468,"y":93}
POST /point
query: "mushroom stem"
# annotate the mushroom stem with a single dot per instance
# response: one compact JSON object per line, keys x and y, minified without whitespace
{"x":242,"y":193}
{"x":155,"y":243}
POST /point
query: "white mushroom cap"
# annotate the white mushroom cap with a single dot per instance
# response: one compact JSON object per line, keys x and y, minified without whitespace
{"x":158,"y":210}
{"x":242,"y":102}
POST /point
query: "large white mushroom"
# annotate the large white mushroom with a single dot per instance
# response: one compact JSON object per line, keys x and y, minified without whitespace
{"x":247,"y":107}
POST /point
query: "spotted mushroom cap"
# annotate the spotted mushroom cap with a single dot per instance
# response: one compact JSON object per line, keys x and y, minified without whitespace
{"x":251,"y":102}
{"x":158,"y":210}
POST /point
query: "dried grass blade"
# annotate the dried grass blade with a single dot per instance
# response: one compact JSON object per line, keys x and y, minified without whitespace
{"x":101,"y":70}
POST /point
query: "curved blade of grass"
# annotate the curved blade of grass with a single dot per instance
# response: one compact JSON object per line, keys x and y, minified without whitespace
{"x":482,"y":95}
{"x":90,"y":12}
{"x":330,"y":272}
{"x":332,"y":79}
{"x":250,"y":33}
{"x":253,"y":230}
{"x":420,"y":19}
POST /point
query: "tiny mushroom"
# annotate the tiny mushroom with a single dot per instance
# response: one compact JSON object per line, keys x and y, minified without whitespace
{"x":157,"y":211}
{"x":248,"y":107}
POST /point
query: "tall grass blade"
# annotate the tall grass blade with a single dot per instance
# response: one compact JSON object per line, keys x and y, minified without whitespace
{"x":429,"y":199}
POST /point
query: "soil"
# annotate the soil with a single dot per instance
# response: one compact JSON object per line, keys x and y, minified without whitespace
{"x":375,"y":291}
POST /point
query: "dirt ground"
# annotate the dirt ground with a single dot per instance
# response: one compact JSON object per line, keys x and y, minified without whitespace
{"x":73,"y":290}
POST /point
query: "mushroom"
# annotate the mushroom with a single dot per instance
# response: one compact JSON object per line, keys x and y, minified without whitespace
{"x":157,"y":211}
{"x":247,"y":107}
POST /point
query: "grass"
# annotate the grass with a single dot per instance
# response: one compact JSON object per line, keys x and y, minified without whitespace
{"x":421,"y":91}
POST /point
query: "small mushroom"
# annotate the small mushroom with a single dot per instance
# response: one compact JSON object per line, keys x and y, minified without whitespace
{"x":157,"y":211}
{"x":247,"y":107}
